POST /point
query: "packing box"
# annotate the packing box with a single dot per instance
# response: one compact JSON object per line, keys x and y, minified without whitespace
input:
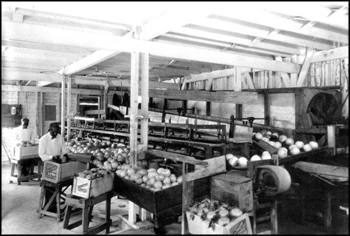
{"x":240,"y":225}
{"x":55,"y":173}
{"x":86,"y":188}
{"x":234,"y":189}
{"x":23,"y":152}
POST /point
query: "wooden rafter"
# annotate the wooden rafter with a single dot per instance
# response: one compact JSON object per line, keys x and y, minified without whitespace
{"x":305,"y":67}
{"x":129,"y":45}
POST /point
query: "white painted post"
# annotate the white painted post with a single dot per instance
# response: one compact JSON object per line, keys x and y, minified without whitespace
{"x":69,"y":102}
{"x":63,"y":103}
{"x":331,"y":138}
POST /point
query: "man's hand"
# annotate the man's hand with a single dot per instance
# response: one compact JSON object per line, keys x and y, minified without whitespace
{"x":56,"y":159}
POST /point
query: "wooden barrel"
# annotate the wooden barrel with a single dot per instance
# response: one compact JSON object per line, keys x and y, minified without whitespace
{"x":274,"y":179}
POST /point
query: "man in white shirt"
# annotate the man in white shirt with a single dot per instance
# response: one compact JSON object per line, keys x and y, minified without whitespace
{"x":24,"y":135}
{"x":52,"y":147}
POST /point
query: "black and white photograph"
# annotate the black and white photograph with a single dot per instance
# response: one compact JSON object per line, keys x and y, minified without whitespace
{"x":175,"y":117}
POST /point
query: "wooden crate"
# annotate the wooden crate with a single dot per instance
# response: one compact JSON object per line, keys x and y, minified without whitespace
{"x":195,"y":224}
{"x":81,"y":157}
{"x":54,"y":172}
{"x":85,"y":188}
{"x":233,"y":189}
{"x":23,"y":152}
{"x":240,"y":225}
{"x":165,"y":204}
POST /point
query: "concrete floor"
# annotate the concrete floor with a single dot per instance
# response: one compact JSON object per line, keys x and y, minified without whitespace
{"x":20,"y":202}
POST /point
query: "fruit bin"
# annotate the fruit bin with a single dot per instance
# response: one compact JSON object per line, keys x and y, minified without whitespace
{"x":23,"y":152}
{"x":55,"y":173}
{"x":165,"y":204}
{"x":86,"y":188}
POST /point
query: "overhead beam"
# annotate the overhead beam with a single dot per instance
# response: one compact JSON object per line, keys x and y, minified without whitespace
{"x":221,"y":44}
{"x":332,"y":54}
{"x":150,"y":30}
{"x":217,"y":96}
{"x":43,"y":83}
{"x":16,"y":17}
{"x":276,"y":21}
{"x":88,"y":61}
{"x":71,"y":20}
{"x":46,"y":47}
{"x":170,"y":21}
{"x":318,"y":13}
{"x":259,"y":33}
{"x":11,"y":74}
{"x":15,"y":88}
{"x":211,"y":75}
{"x":305,"y":68}
{"x":49,"y":35}
{"x":238,"y":40}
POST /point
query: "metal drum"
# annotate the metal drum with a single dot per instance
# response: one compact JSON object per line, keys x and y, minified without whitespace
{"x":274,"y":179}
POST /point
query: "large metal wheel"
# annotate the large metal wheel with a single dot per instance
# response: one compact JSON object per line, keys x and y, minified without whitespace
{"x":274,"y":179}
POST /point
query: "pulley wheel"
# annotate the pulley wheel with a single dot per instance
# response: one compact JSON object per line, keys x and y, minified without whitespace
{"x":274,"y":179}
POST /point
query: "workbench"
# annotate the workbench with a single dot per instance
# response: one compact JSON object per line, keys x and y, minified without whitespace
{"x":320,"y":182}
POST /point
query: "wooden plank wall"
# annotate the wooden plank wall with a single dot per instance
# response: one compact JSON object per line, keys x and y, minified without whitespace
{"x":325,"y":73}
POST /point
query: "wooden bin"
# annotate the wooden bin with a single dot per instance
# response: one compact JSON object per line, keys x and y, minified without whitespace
{"x":55,"y":173}
{"x":233,"y":189}
{"x":165,"y":204}
{"x":23,"y":152}
{"x":85,"y":188}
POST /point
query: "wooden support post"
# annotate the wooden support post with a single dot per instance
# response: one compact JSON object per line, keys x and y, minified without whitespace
{"x":38,"y":115}
{"x":144,"y":104}
{"x":69,"y":102}
{"x":298,"y":107}
{"x":238,"y":79}
{"x":232,"y":126}
{"x":185,"y":199}
{"x":208,"y":107}
{"x":331,"y":138}
{"x":305,"y":68}
{"x":266,"y":108}
{"x":134,"y":80}
{"x":328,"y":211}
{"x":105,"y":105}
{"x":274,"y":218}
{"x":99,"y":102}
{"x":42,"y":118}
{"x":63,"y":96}
{"x":184,"y":106}
{"x":135,"y":61}
{"x":164,"y":108}
{"x":239,"y":111}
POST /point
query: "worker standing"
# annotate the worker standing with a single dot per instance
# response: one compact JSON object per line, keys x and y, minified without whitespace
{"x":24,"y":135}
{"x":52,"y":147}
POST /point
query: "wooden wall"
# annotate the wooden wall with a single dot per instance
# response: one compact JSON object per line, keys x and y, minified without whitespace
{"x":320,"y":74}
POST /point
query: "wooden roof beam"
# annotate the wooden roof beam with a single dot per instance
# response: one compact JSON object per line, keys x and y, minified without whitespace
{"x":318,"y":13}
{"x":275,"y":21}
{"x":49,"y":35}
{"x":332,"y":54}
{"x":149,"y":31}
{"x":236,"y":97}
{"x":46,"y":78}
